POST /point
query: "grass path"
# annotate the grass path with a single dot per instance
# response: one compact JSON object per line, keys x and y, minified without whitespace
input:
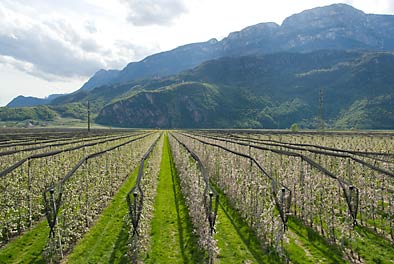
{"x":373,"y":248}
{"x":233,"y":242}
{"x":106,"y":242}
{"x":28,"y":247}
{"x":236,"y":241}
{"x":172,"y":240}
{"x":306,"y":246}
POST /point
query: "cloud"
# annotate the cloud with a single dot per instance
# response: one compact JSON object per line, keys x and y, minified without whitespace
{"x":373,"y":7}
{"x":19,"y":65}
{"x":53,"y":49}
{"x":390,"y":7}
{"x":29,"y":68}
{"x":90,"y":26}
{"x":154,"y":12}
{"x":51,"y":52}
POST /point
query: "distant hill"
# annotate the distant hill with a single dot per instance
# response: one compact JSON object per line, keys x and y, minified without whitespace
{"x":27,"y":101}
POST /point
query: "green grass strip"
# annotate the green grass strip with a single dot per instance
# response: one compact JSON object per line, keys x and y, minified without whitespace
{"x":371,"y":247}
{"x":307,"y":246}
{"x":237,"y":242}
{"x":106,"y":242}
{"x":172,"y":240}
{"x":28,"y":247}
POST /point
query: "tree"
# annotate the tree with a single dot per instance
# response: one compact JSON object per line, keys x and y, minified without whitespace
{"x":294,"y":127}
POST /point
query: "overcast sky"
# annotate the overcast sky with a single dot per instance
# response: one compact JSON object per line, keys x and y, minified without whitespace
{"x":51,"y":46}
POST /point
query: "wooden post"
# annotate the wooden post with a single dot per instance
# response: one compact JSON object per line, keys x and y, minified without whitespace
{"x":321,"y":110}
{"x":88,"y":116}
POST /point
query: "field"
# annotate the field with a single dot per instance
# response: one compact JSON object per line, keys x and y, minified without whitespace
{"x":196,"y":196}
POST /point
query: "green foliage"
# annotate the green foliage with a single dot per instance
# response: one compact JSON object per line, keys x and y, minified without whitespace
{"x":368,"y":114}
{"x":27,"y":113}
{"x":32,"y":243}
{"x":73,"y":110}
{"x":294,"y":127}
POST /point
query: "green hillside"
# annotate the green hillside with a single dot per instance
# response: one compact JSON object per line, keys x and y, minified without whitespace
{"x":270,"y":91}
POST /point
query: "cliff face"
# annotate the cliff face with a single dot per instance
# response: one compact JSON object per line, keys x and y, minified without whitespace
{"x":176,"y":106}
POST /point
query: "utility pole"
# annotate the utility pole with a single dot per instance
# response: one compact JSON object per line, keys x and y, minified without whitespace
{"x":321,"y":109}
{"x":88,"y":116}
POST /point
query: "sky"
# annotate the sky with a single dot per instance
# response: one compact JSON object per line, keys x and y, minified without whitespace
{"x":49,"y":47}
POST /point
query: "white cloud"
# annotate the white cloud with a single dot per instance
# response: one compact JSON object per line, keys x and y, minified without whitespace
{"x":19,"y":65}
{"x":29,"y":85}
{"x":154,"y":12}
{"x":49,"y":52}
{"x":91,"y":26}
{"x":55,"y":49}
{"x":375,"y":7}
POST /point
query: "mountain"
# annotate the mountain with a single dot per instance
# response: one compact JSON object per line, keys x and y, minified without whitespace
{"x":100,"y":78}
{"x":337,"y":26}
{"x":158,"y":65}
{"x":268,"y":91}
{"x":264,"y":91}
{"x":264,"y":76}
{"x":27,"y":101}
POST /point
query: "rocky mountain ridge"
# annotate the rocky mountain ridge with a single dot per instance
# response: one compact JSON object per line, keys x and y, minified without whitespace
{"x":337,"y":26}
